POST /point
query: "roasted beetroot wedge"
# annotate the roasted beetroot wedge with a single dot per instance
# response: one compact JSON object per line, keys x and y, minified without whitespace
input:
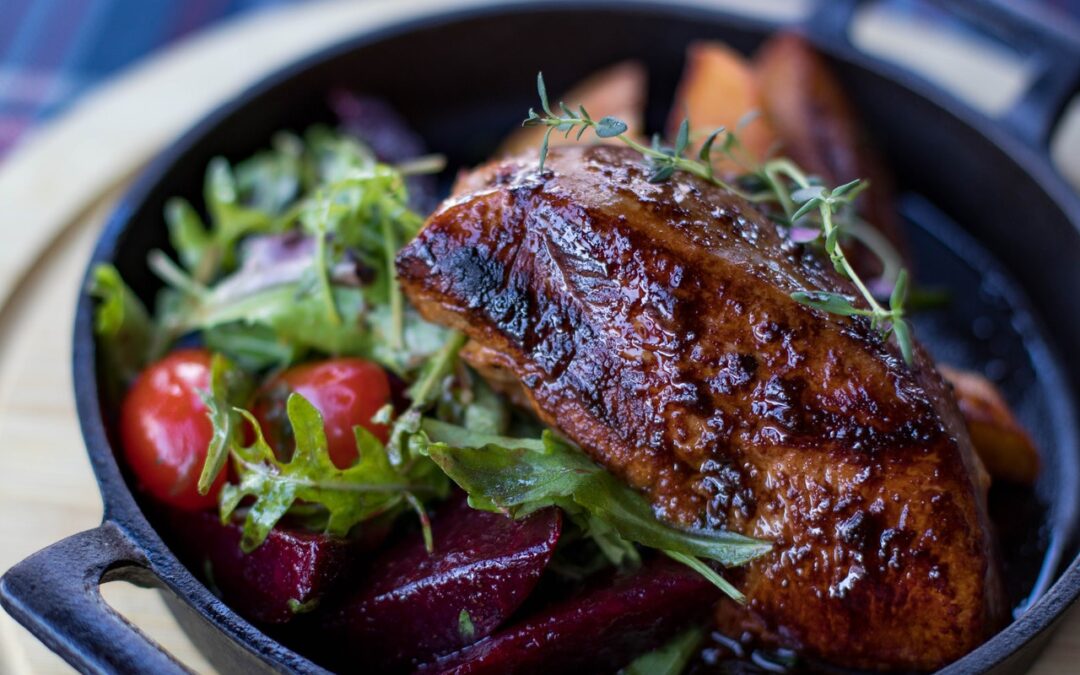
{"x":599,"y":630}
{"x":289,"y":573}
{"x":413,"y":604}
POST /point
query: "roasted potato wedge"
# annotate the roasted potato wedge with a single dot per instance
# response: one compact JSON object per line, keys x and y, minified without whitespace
{"x":819,"y":128}
{"x":718,"y":88}
{"x":618,"y":91}
{"x":1001,"y":443}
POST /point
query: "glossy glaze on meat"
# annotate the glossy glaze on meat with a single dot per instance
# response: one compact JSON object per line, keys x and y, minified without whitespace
{"x":653,"y":325}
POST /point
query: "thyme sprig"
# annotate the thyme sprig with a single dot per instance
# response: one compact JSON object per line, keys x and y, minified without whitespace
{"x":811,"y":210}
{"x":663,"y":160}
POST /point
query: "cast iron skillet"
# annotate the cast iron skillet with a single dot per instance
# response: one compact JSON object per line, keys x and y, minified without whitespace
{"x":463,"y":79}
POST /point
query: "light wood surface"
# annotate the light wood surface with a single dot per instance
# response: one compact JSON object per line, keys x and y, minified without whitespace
{"x":58,"y":188}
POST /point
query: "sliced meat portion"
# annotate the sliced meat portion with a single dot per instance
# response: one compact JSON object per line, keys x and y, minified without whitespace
{"x":653,"y":325}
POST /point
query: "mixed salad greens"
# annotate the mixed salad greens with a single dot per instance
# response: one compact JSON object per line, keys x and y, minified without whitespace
{"x":295,"y":261}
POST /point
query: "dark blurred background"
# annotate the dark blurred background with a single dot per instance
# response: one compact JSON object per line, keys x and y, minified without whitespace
{"x":52,"y":51}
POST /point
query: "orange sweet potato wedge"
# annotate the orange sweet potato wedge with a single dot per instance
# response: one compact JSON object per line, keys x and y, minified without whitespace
{"x":618,"y":91}
{"x":718,"y":89}
{"x":1001,"y":443}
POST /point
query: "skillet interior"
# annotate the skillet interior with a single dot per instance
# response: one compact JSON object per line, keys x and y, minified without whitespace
{"x":465,"y":83}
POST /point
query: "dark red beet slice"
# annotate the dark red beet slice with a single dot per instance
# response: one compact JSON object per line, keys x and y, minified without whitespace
{"x":412,"y":604}
{"x":290,"y":565}
{"x":599,"y":630}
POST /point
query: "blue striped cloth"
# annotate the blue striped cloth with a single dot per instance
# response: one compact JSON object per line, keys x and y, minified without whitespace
{"x":53,"y":50}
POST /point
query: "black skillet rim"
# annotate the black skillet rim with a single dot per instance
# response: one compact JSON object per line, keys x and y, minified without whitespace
{"x":120,"y":505}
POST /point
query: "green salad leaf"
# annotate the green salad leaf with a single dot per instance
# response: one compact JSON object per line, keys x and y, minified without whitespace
{"x":229,"y":386}
{"x":330,"y":156}
{"x":519,"y":476}
{"x":253,"y":348}
{"x":262,"y":194}
{"x":424,"y":392}
{"x":207,"y":250}
{"x":272,"y":180}
{"x":486,"y":412}
{"x":284,"y":312}
{"x":369,"y":488}
{"x":298,"y":256}
{"x":123,"y":326}
{"x":669,"y":659}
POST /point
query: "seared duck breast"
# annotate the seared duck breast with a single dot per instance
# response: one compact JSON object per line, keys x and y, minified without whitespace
{"x":653,"y":325}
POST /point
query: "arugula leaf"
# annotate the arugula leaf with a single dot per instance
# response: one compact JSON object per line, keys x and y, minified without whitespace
{"x":519,"y":476}
{"x":425,"y":390}
{"x":330,"y":156}
{"x":365,"y":212}
{"x":272,"y":180}
{"x":231,"y":219}
{"x":261,"y":194}
{"x":228,"y":386}
{"x":330,"y":287}
{"x":189,"y":236}
{"x":618,"y":551}
{"x":709,"y":573}
{"x":372,"y":487}
{"x":286,"y":309}
{"x":487,"y":412}
{"x":289,"y":312}
{"x":252,"y":347}
{"x":205,"y":250}
{"x":671,"y":658}
{"x":124,"y":329}
{"x":420,"y":339}
{"x":253,"y":197}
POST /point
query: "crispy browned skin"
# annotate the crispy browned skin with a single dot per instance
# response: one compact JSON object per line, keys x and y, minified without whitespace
{"x":652,"y":324}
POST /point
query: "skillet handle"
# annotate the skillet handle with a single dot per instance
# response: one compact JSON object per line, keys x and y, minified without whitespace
{"x":55,"y":594}
{"x":1053,"y":49}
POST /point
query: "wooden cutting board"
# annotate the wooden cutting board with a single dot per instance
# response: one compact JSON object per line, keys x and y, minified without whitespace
{"x":57,"y":188}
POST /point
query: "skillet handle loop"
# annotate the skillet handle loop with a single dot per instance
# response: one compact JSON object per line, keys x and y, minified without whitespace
{"x":55,"y":594}
{"x":1052,"y":46}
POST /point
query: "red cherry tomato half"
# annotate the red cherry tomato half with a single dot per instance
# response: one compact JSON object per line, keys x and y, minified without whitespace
{"x":165,"y":431}
{"x":346,"y":391}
